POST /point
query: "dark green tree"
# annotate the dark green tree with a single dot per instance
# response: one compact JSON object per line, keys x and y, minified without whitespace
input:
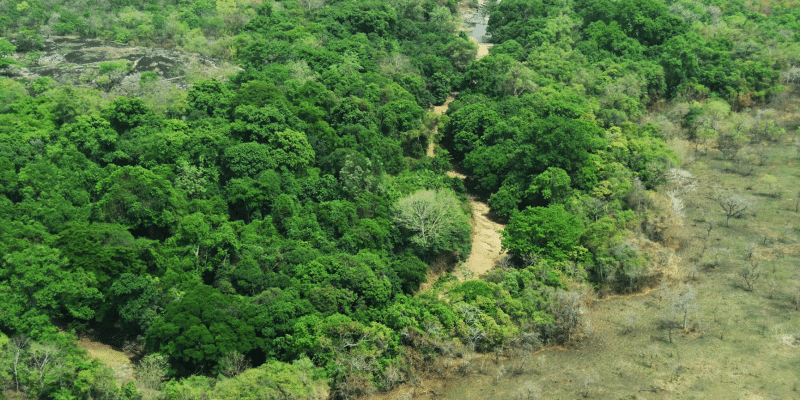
{"x":201,"y":327}
{"x":550,"y":232}
{"x":92,"y":135}
{"x":135,"y":298}
{"x":138,"y":199}
{"x":248,"y":159}
{"x":105,"y":250}
{"x":37,"y":284}
{"x":209,"y":98}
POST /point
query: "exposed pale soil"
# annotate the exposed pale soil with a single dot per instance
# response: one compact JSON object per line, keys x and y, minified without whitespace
{"x":486,"y":246}
{"x":483,"y":48}
{"x":438,"y":110}
{"x":474,"y":23}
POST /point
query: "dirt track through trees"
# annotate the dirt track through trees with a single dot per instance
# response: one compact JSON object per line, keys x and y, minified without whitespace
{"x":486,"y":246}
{"x":483,"y":48}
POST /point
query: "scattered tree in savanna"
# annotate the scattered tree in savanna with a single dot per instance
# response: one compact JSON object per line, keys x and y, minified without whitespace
{"x":730,"y":144}
{"x":771,"y":183}
{"x":750,"y":251}
{"x":733,"y":205}
{"x":796,"y":202}
{"x":766,"y":127}
{"x":749,"y":275}
{"x":685,"y":303}
{"x":528,"y":391}
{"x":796,"y":297}
{"x":772,"y":285}
{"x":629,"y":323}
{"x":570,"y":315}
{"x":705,"y":121}
{"x":679,"y":183}
{"x":735,"y":135}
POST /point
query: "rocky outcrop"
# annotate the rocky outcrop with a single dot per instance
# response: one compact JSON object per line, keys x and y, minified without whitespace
{"x":76,"y":61}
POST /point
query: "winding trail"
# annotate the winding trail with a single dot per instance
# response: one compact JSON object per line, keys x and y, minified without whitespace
{"x":487,"y":250}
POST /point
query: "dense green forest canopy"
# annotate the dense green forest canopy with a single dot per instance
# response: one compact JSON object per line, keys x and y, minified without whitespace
{"x":288,"y":215}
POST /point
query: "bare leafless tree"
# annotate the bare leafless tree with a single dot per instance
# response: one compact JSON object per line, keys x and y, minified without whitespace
{"x":750,"y":251}
{"x":681,"y":182}
{"x":772,"y":285}
{"x":791,"y":76}
{"x":569,"y":312}
{"x":501,"y":372}
{"x":17,"y":348}
{"x":750,"y":275}
{"x":432,"y":216}
{"x":42,"y":358}
{"x":723,"y":329}
{"x":685,"y":303}
{"x":233,"y":364}
{"x":312,"y":5}
{"x":392,"y":376}
{"x":353,"y":385}
{"x":151,"y":371}
{"x":629,"y":323}
{"x":797,"y":202}
{"x":733,"y":205}
{"x":528,"y":391}
{"x":796,"y":298}
{"x":472,"y":317}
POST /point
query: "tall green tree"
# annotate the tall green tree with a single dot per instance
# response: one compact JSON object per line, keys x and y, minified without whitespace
{"x":105,"y":250}
{"x":201,"y":327}
{"x":37,"y":284}
{"x":137,"y":198}
{"x":6,"y":49}
{"x":435,"y":221}
{"x":550,"y":232}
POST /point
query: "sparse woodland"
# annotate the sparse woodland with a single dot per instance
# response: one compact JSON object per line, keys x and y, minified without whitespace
{"x":273,"y":233}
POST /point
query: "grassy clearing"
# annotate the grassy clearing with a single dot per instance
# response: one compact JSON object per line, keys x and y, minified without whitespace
{"x":119,"y":362}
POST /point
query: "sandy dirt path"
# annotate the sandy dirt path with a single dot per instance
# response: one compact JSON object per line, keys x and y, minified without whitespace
{"x":438,"y":110}
{"x":487,"y":250}
{"x":483,"y":49}
{"x":486,"y":247}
